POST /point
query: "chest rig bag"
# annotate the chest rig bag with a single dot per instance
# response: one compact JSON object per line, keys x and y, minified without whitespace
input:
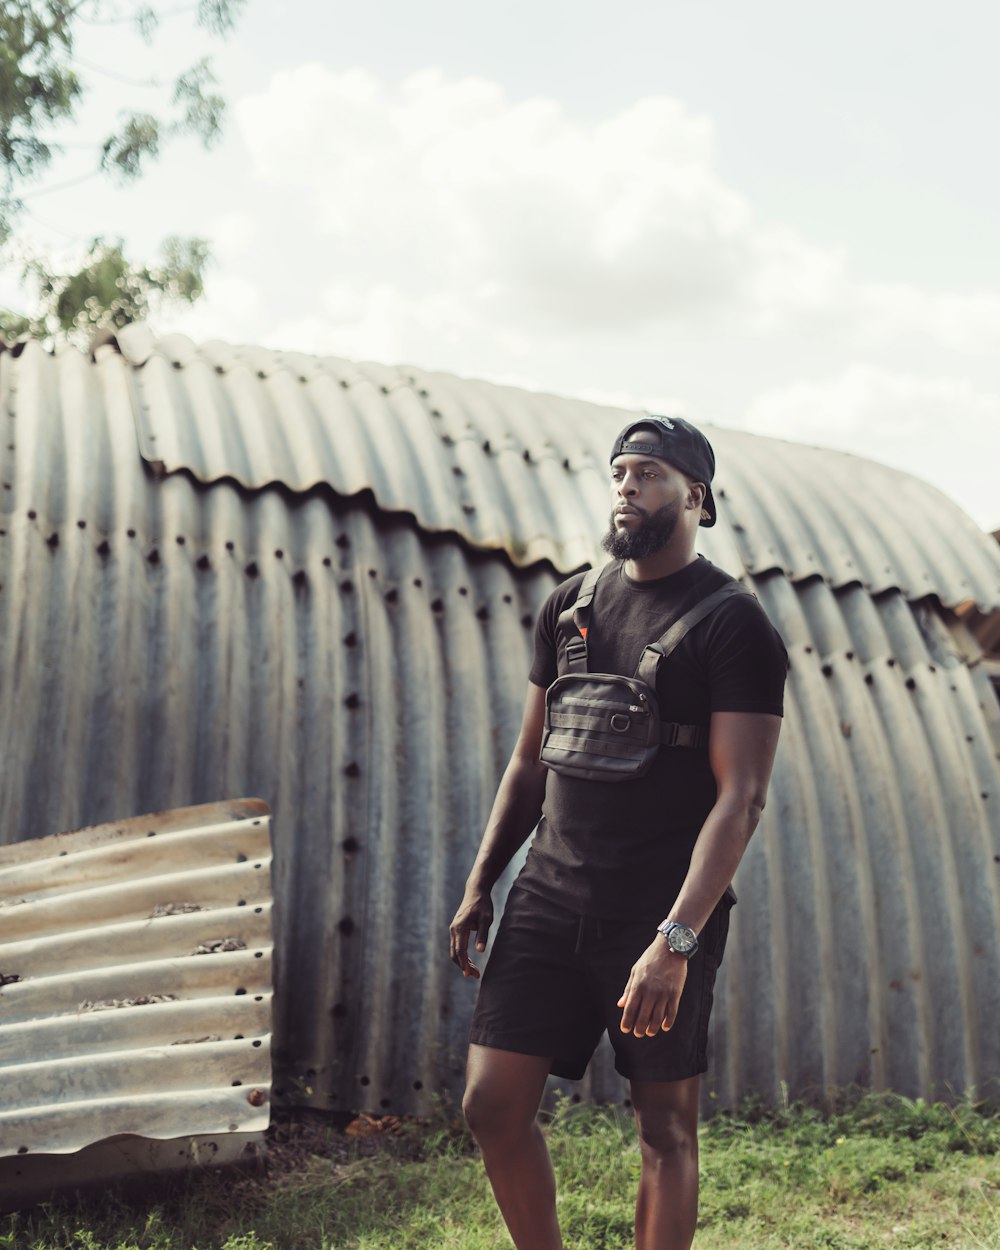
{"x":604,"y":727}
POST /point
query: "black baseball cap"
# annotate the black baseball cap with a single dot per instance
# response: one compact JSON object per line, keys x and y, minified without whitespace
{"x":679,"y":443}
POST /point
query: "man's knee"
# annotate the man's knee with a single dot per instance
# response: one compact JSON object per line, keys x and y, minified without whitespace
{"x":502,"y":1094}
{"x":666,"y":1136}
{"x":667,"y":1120}
{"x":490,"y":1113}
{"x":478,"y":1107}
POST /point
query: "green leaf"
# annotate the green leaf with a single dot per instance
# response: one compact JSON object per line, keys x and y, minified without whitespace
{"x":40,"y":88}
{"x":138,"y":139}
{"x":108,"y":291}
{"x":203,"y":113}
{"x":219,"y":16}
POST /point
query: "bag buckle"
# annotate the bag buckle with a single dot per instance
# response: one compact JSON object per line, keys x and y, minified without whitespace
{"x":576,"y":650}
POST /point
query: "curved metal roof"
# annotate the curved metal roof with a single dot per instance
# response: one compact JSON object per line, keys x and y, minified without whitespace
{"x":525,"y":473}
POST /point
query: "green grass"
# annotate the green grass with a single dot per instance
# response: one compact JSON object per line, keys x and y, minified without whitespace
{"x":885,"y":1171}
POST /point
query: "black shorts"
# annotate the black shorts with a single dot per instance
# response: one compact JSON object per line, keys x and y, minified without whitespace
{"x":552,"y":983}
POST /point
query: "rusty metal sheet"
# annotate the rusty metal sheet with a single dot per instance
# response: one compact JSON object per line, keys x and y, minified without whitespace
{"x":135,"y":994}
{"x":38,"y":1178}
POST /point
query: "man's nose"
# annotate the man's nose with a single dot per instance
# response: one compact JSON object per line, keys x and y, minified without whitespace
{"x":627,"y":485}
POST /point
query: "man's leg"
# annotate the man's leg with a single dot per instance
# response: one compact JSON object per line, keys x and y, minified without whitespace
{"x":666,"y":1113}
{"x":502,"y":1095}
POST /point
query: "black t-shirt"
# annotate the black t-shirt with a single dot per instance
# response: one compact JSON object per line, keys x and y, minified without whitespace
{"x":622,"y":849}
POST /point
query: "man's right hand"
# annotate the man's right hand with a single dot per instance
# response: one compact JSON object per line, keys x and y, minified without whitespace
{"x":516,"y":810}
{"x":474,"y":915}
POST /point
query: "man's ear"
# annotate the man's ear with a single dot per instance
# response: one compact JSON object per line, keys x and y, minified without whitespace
{"x":696,"y":495}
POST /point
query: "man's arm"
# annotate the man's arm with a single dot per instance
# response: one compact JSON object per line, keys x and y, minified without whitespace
{"x":741,"y":749}
{"x":516,"y":810}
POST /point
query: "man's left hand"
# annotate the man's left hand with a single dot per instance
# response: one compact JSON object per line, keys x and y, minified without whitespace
{"x":653,"y":992}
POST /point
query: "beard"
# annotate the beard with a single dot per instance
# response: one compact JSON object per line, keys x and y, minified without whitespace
{"x":652,"y":535}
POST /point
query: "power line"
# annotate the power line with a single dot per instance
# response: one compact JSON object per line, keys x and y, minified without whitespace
{"x":48,"y":225}
{"x":110,"y":73}
{"x":130,"y":18}
{"x":60,"y":186}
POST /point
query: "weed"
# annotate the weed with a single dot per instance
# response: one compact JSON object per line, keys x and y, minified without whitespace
{"x":872,"y":1171}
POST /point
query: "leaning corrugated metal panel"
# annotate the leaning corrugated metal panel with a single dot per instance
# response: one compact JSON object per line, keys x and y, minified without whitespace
{"x":521,"y":472}
{"x":136,"y":995}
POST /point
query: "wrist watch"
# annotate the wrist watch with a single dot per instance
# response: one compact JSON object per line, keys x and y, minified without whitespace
{"x":681,"y":938}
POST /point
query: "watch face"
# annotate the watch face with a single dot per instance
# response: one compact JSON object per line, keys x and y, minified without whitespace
{"x":682,"y":939}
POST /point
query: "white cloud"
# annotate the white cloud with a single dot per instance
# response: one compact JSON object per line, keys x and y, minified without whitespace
{"x":515,"y":205}
{"x":632,"y":401}
{"x":961,"y":322}
{"x":944,"y":430}
{"x":445,"y":194}
{"x":232,"y":236}
{"x":231,"y":309}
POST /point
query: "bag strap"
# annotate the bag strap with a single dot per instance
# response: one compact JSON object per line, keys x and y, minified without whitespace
{"x":656,"y":652}
{"x":574,"y":621}
{"x":674,"y":735}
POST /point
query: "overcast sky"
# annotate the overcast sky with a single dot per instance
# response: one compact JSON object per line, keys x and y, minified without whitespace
{"x":776,"y":217}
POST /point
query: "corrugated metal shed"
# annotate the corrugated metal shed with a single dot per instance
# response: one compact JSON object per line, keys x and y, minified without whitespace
{"x":310,"y":587}
{"x":135,"y":1008}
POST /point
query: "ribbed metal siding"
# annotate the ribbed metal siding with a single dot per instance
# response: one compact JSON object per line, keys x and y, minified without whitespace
{"x":876,"y":880}
{"x":865,"y":947}
{"x":136,"y":988}
{"x":367,"y":687}
{"x":366,"y":677}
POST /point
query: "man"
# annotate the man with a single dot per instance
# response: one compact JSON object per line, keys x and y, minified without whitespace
{"x":579,"y":949}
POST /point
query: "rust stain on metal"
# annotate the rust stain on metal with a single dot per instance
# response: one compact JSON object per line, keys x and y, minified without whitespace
{"x":216,"y":945}
{"x":140,"y":1000}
